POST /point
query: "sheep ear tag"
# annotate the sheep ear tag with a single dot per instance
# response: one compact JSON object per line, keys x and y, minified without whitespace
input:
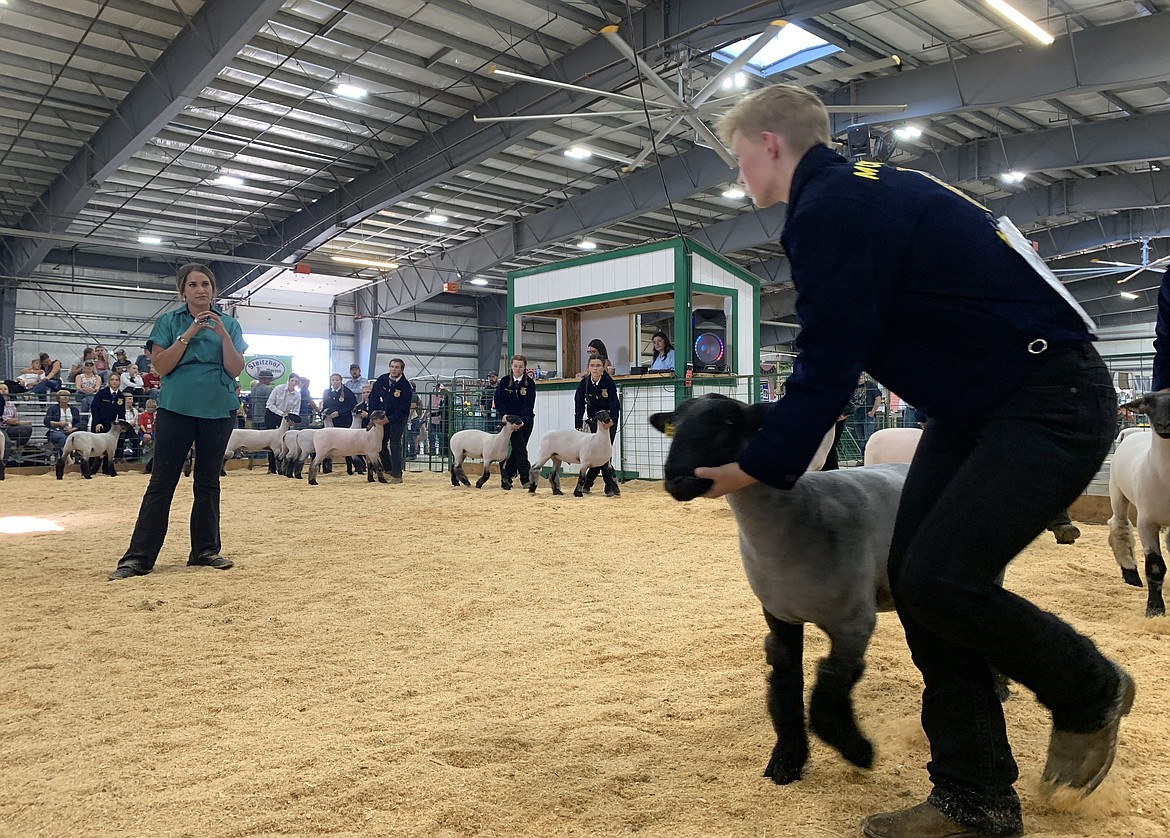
{"x":668,"y":429}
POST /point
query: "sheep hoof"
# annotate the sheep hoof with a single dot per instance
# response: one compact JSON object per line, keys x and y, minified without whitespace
{"x":312,"y":482}
{"x":1130,"y":576}
{"x":577,"y":493}
{"x":784,"y":768}
{"x":558,"y":492}
{"x":1155,"y":610}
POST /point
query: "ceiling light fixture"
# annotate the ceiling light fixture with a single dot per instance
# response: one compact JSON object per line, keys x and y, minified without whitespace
{"x":585,"y":244}
{"x":1012,"y":177}
{"x":1021,"y":21}
{"x":364,"y":263}
{"x":435,"y":218}
{"x":734,"y":194}
{"x":149,"y":240}
{"x":350,"y":91}
{"x":479,"y":280}
{"x":1127,"y":295}
{"x":908,"y":132}
{"x":578,"y":153}
{"x":229,"y":180}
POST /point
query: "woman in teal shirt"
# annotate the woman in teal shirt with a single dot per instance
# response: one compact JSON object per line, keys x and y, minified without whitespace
{"x":198,"y":351}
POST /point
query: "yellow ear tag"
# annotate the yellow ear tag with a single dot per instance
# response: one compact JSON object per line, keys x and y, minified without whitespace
{"x":668,"y":429}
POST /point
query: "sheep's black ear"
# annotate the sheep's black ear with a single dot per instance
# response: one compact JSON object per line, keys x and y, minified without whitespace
{"x":664,"y":422}
{"x":756,"y":414}
{"x":1137,"y":405}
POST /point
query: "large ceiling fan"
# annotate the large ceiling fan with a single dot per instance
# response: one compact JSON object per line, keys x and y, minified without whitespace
{"x":679,"y":108}
{"x":1130,"y":269}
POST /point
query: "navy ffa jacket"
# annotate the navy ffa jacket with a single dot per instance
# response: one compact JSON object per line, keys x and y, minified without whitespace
{"x":393,"y":397}
{"x":517,"y":398}
{"x":1162,"y":339}
{"x":591,"y":398}
{"x":343,"y":401}
{"x":902,"y":276}
{"x":105,"y":408}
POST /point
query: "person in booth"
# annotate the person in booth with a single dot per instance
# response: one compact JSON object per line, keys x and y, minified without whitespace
{"x":663,"y":359}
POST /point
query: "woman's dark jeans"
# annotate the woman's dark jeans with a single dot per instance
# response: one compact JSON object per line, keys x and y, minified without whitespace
{"x":974,"y":498}
{"x":173,"y":435}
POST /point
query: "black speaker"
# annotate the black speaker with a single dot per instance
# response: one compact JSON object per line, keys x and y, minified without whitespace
{"x":857,"y":142}
{"x":709,"y":349}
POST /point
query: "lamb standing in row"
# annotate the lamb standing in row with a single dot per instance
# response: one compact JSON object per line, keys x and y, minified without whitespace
{"x":588,"y":450}
{"x":92,"y":449}
{"x":480,"y":445}
{"x":1140,"y":476}
{"x":813,"y":554}
{"x":350,"y":442}
{"x":249,"y":439}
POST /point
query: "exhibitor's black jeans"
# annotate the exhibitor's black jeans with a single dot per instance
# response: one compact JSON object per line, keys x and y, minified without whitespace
{"x":517,"y":462}
{"x":173,"y":434}
{"x":973,"y":499}
{"x":391,"y":454}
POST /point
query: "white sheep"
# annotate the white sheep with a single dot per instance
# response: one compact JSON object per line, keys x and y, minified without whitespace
{"x":892,"y":445}
{"x":250,"y":439}
{"x":91,"y":447}
{"x":1139,"y":475}
{"x":588,"y":450}
{"x":350,"y":442}
{"x":815,"y":553}
{"x":480,"y":445}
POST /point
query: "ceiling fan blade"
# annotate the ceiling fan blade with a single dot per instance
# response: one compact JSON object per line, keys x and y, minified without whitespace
{"x":847,"y":72}
{"x":639,"y":112}
{"x":1115,"y":264}
{"x":1125,"y":279}
{"x":641,"y":156}
{"x":621,"y":97}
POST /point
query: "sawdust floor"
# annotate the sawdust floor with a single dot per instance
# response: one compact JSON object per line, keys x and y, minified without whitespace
{"x":419,"y":661}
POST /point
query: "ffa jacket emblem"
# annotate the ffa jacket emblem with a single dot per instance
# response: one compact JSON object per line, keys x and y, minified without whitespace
{"x":523,"y":391}
{"x":397,"y":394}
{"x":605,"y":394}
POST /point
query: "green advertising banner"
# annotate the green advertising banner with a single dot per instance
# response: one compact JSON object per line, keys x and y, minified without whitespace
{"x":279,"y":365}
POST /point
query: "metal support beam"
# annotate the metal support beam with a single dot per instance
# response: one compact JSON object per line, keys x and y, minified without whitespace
{"x":1101,"y":58}
{"x":1108,"y":193}
{"x":366,"y":332}
{"x":7,"y":329}
{"x":1107,"y":143}
{"x":216,"y":34}
{"x":1128,"y":226}
{"x":463,"y":143}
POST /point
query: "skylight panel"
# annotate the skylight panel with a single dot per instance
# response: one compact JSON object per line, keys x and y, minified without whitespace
{"x":791,"y":47}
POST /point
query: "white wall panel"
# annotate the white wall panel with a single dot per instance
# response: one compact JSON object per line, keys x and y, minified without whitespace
{"x":609,"y":276}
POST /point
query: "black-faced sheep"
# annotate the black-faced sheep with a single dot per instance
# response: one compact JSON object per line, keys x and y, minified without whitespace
{"x":589,"y":450}
{"x":815,"y":553}
{"x":90,"y":449}
{"x":480,"y":445}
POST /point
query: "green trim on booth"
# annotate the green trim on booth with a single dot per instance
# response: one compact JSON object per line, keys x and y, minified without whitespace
{"x":723,"y":262}
{"x":589,"y":259}
{"x":626,"y":294}
{"x":511,"y":335}
{"x":683,"y":304}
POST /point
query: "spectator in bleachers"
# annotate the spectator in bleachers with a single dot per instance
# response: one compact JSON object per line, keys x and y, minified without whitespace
{"x":197,"y":349}
{"x":106,"y":407}
{"x":87,"y":383}
{"x":151,"y":383}
{"x":257,"y":397}
{"x":51,"y":383}
{"x":16,"y":429}
{"x":355,"y":382}
{"x":26,"y":379}
{"x":120,"y":361}
{"x":143,"y":363}
{"x":362,"y":409}
{"x":102,"y":362}
{"x":77,"y":368}
{"x":132,"y":382}
{"x":61,"y":419}
{"x":130,"y":446}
